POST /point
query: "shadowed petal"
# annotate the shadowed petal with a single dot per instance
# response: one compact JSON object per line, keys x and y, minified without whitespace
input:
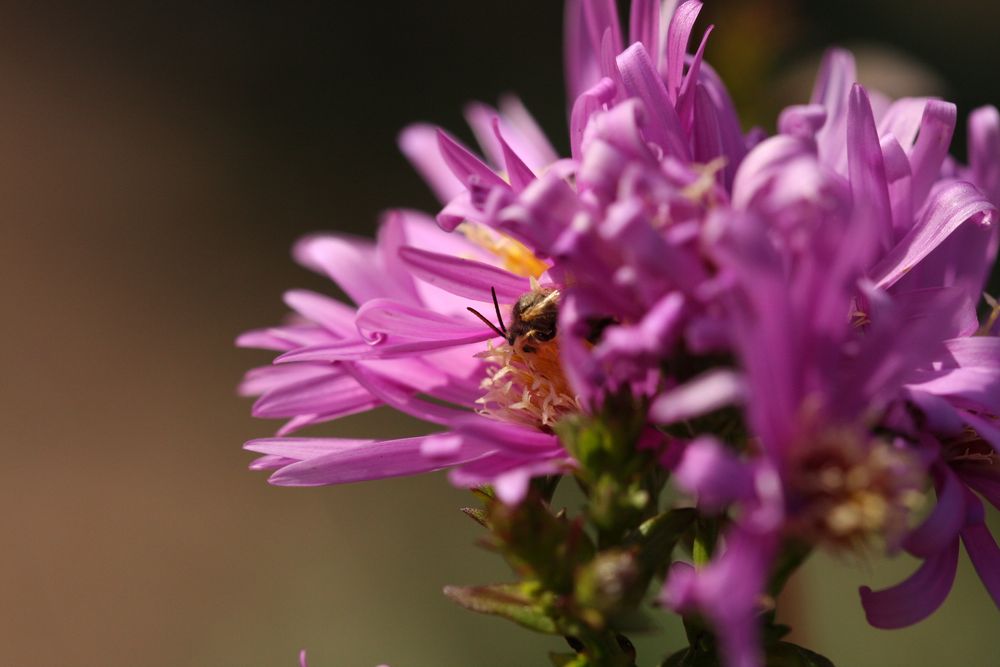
{"x":916,"y":598}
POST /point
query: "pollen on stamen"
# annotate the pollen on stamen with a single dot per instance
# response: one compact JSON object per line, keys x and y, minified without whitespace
{"x":850,"y":489}
{"x":526,"y":388}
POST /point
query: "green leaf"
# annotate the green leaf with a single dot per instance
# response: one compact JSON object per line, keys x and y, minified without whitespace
{"x":508,"y":601}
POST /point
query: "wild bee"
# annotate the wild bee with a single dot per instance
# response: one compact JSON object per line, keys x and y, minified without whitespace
{"x":534,"y":316}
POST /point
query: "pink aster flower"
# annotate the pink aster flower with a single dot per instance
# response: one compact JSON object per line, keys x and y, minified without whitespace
{"x":410,"y":338}
{"x":861,"y":255}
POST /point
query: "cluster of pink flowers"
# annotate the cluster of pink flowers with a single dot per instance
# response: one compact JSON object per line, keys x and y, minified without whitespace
{"x":817,"y":288}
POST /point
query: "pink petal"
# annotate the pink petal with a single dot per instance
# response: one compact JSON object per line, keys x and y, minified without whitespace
{"x":350,"y":262}
{"x":525,"y":135}
{"x":833,"y":88}
{"x":708,"y":392}
{"x":382,"y":317}
{"x":333,"y":393}
{"x":643,"y":82}
{"x":265,"y":378}
{"x":333,"y":315}
{"x":419,"y":144}
{"x":403,"y":400}
{"x":464,"y":277}
{"x":518,"y":173}
{"x":374,"y":460}
{"x":468,"y":168}
{"x":644,"y":26}
{"x":983,"y":551}
{"x":869,"y":185}
{"x":931,"y":147}
{"x":947,"y":209}
{"x":940,"y":528}
{"x":678,"y":33}
{"x":916,"y":598}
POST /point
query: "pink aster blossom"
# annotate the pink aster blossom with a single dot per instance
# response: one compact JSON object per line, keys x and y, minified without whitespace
{"x":410,"y":338}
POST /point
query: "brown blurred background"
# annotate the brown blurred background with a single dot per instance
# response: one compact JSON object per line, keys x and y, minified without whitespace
{"x":158,"y":159}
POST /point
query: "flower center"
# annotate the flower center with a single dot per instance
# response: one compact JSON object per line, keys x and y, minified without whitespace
{"x":526,"y":388}
{"x":516,"y":257}
{"x":850,"y":489}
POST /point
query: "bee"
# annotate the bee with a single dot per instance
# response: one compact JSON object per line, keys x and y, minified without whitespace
{"x":534,"y":316}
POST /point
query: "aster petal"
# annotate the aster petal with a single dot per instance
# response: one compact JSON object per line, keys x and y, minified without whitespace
{"x":359,"y":463}
{"x":869,"y":185}
{"x":982,"y":549}
{"x":708,"y":392}
{"x":419,"y":143}
{"x":518,"y":173}
{"x":480,"y":117}
{"x":947,"y":209}
{"x":403,"y":400}
{"x":940,"y":529}
{"x":979,"y":387}
{"x":714,"y":474}
{"x":381,"y":317}
{"x":974,"y":351}
{"x":643,"y":82}
{"x":931,"y":147}
{"x":334,"y":392}
{"x":348,"y":261}
{"x":333,"y":315}
{"x":587,"y":104}
{"x":678,"y":33}
{"x":644,"y":26}
{"x":525,"y":135}
{"x":984,"y":150}
{"x":837,"y":75}
{"x":464,"y":277}
{"x":917,"y":597}
{"x":685,"y":99}
{"x":302,"y":449}
{"x":265,"y":378}
{"x":468,"y":168}
{"x":602,"y":19}
{"x":580,"y":52}
{"x":706,"y":137}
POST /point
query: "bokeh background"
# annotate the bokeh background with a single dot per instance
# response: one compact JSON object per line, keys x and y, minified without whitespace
{"x":157,"y":160}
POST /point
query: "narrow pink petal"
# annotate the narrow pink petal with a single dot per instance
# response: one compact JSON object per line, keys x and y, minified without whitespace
{"x":404,"y":400}
{"x":975,"y":351}
{"x":940,"y":528}
{"x":518,"y":173}
{"x":948,"y":207}
{"x":303,"y":449}
{"x":263,"y":339}
{"x":333,"y":315}
{"x":706,"y":139}
{"x":468,"y":168}
{"x":355,"y":350}
{"x":983,"y":551}
{"x":866,"y":168}
{"x":464,"y":277}
{"x":643,"y":82}
{"x":383,"y":317}
{"x":265,"y":378}
{"x":644,"y":27}
{"x":602,"y":18}
{"x":480,"y":117}
{"x":984,"y":150}
{"x":526,"y":135}
{"x":685,"y":98}
{"x":712,"y":472}
{"x":392,"y":235}
{"x":678,"y":33}
{"x":902,"y":120}
{"x":931,"y":147}
{"x":348,"y":261}
{"x":916,"y":598}
{"x":580,"y":53}
{"x":587,"y":104}
{"x":707,"y":392}
{"x":833,"y":89}
{"x":375,"y":460}
{"x":419,"y":144}
{"x":269,"y":462}
{"x":333,"y":392}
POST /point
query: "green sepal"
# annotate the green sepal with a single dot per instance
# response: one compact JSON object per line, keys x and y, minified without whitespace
{"x":569,"y":660}
{"x":478,"y":515}
{"x":510,"y":601}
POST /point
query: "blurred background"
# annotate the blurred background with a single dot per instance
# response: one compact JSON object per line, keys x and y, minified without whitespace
{"x":158,"y":160}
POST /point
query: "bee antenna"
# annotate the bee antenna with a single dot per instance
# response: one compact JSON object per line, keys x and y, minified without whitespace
{"x":496,"y":305}
{"x":492,"y":326}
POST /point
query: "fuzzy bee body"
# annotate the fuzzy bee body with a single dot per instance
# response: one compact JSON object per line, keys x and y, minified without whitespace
{"x":535,"y":317}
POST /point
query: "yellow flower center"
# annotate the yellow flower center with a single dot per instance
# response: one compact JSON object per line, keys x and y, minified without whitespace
{"x":527,"y":388}
{"x":515,"y":256}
